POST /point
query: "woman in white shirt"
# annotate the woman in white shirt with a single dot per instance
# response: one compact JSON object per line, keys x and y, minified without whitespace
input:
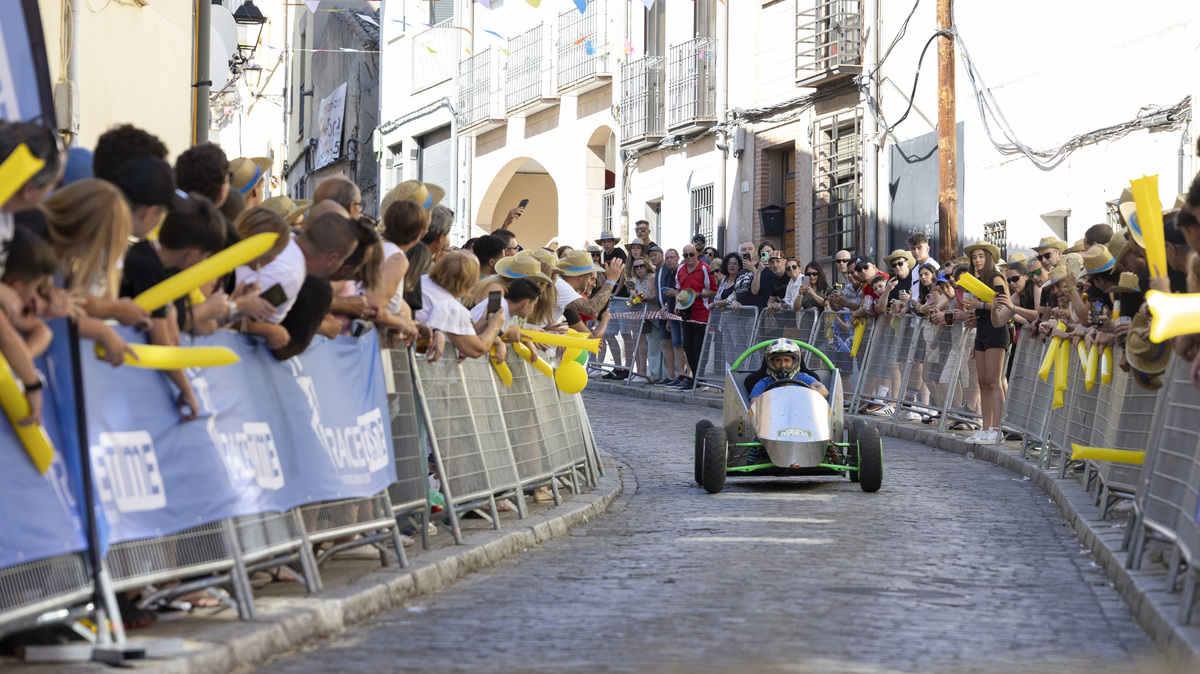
{"x":447,"y":283}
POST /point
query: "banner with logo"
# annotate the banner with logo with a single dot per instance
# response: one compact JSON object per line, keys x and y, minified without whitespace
{"x":271,"y":435}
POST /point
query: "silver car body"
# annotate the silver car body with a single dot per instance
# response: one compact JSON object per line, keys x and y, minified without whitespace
{"x":794,"y":423}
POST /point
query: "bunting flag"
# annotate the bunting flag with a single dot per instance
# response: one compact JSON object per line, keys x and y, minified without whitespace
{"x":583,"y":39}
{"x":369,"y":19}
{"x":403,"y":23}
{"x":588,"y":48}
{"x":312,"y":5}
{"x":492,"y":32}
{"x":486,"y":3}
{"x":534,"y":3}
{"x":468,"y":31}
{"x":581,"y":5}
{"x":628,"y":47}
{"x":431,"y":50}
{"x":648,"y":3}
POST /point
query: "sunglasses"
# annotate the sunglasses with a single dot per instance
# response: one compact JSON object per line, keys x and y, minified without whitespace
{"x":811,"y":273}
{"x":1034,"y":274}
{"x":898,"y":263}
{"x":840,"y":261}
{"x":1014,"y":279}
{"x":792,"y":267}
{"x":639,"y":266}
{"x":861,"y":268}
{"x":689,"y":255}
{"x":1046,"y":255}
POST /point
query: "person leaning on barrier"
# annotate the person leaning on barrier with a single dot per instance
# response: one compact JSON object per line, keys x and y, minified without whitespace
{"x":735,"y":289}
{"x":341,"y":191}
{"x":359,"y":275}
{"x":447,"y":283}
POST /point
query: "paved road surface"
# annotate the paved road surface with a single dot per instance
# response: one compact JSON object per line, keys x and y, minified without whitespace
{"x":954,"y":565}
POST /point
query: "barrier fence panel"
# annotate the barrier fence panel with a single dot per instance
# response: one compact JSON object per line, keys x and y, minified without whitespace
{"x":1167,"y":495}
{"x":525,"y":433}
{"x":480,"y":392}
{"x":28,"y":590}
{"x":1028,"y":396}
{"x":626,"y":326}
{"x":931,"y":378}
{"x":1125,"y":420}
{"x":372,"y":517}
{"x":1080,"y":415}
{"x":578,"y":452}
{"x":729,"y":332}
{"x":776,"y":325}
{"x":410,"y":492}
{"x":554,"y":429}
{"x":883,"y":373}
{"x":1056,"y":420}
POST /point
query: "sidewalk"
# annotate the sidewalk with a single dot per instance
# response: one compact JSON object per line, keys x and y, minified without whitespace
{"x":357,"y":589}
{"x":1155,"y":610}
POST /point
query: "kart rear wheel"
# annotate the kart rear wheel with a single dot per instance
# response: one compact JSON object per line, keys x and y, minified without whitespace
{"x":702,"y":427}
{"x":870,"y":459}
{"x":716,"y":460}
{"x":853,"y":430}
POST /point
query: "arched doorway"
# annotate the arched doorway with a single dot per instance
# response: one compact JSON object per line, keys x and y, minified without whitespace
{"x":521,"y":178}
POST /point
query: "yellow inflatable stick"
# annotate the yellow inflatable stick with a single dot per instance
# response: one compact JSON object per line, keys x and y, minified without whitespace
{"x":197,"y":275}
{"x":541,"y":365}
{"x":501,"y":368}
{"x":16,"y":170}
{"x":196,"y":296}
{"x":1083,"y":453}
{"x":1049,"y":358}
{"x":16,"y":407}
{"x":1149,"y":220}
{"x":570,"y":378}
{"x":860,"y":326}
{"x":1174,"y":315}
{"x":155,"y":357}
{"x":975,"y":287}
{"x":1060,"y":372}
{"x":1106,"y":366}
{"x":552,"y":339}
{"x":1091,"y":367}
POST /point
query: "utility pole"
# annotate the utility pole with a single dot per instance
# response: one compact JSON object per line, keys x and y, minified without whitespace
{"x":947,"y":149}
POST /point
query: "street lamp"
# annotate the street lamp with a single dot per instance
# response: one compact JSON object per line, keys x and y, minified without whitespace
{"x":247,"y":16}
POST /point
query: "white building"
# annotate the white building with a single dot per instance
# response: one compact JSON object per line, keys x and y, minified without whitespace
{"x":696,"y":115}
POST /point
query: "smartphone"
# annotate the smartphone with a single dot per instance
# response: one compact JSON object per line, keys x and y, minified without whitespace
{"x":999,"y":290}
{"x":523,"y":204}
{"x":493,"y":302}
{"x":746,"y":256}
{"x":275,"y":295}
{"x":764,"y":256}
{"x":837,"y":287}
{"x":804,"y":281}
{"x":1097,"y":312}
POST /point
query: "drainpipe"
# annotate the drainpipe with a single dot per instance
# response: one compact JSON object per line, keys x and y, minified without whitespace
{"x":722,"y":114}
{"x":621,"y":202}
{"x":463,"y":203}
{"x":202,"y":83}
{"x":876,"y":227}
{"x":73,"y":96}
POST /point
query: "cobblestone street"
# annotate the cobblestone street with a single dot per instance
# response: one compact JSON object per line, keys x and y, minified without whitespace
{"x":955,"y":565}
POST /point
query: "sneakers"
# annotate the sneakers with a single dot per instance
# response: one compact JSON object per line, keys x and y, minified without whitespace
{"x":883,"y":411}
{"x":910,"y":416}
{"x":982,"y":437}
{"x":684,"y":383}
{"x":669,"y":382}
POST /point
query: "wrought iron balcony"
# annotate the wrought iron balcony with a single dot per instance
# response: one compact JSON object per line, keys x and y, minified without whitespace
{"x":641,"y":102}
{"x":583,"y":63}
{"x":529,"y":77}
{"x":434,"y":53}
{"x":829,"y":42}
{"x":692,"y":85}
{"x":480,"y":97}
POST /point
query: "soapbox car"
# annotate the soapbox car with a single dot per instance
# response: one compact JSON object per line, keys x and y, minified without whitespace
{"x":789,"y":430}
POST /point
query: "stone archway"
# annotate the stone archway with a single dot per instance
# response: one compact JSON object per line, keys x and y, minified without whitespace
{"x":521,"y":178}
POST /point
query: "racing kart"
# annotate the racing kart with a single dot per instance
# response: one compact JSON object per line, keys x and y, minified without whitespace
{"x":789,"y":430}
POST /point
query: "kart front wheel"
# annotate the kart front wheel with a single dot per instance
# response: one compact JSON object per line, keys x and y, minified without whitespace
{"x":702,"y":427}
{"x":716,"y":459}
{"x":853,"y":430}
{"x":870,"y":458}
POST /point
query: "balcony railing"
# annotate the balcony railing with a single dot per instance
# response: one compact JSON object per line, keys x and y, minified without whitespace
{"x":829,"y":42}
{"x":528,"y":79}
{"x":692,"y":93}
{"x":434,"y":55}
{"x":480,"y":98}
{"x":583,"y":64}
{"x":641,"y":101}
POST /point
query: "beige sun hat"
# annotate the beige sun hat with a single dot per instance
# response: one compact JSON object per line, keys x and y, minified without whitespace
{"x":1128,"y":284}
{"x":983,"y":245}
{"x":1050,"y":242}
{"x":900,"y":253}
{"x":245,"y":172}
{"x":1078,"y":247}
{"x":1097,"y":260}
{"x":1143,"y":354}
{"x":607,"y":235}
{"x":427,"y":195}
{"x":521,"y":266}
{"x":577,"y":263}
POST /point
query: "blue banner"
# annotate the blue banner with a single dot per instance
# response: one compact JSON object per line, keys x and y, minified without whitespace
{"x":271,"y":435}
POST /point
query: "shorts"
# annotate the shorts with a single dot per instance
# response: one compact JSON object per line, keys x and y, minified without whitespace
{"x":674,"y":329}
{"x":988,"y":337}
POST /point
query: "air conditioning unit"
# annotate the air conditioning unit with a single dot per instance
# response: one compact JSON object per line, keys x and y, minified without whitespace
{"x":414,"y":154}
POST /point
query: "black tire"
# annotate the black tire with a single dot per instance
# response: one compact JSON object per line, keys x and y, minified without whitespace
{"x":870,"y":459}
{"x":853,"y":430}
{"x":716,"y":460}
{"x":702,"y":427}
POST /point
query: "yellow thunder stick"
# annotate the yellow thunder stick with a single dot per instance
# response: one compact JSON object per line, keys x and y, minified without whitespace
{"x":155,"y":357}
{"x":1083,"y":453}
{"x":1150,"y":221}
{"x":197,"y":275}
{"x":16,"y":407}
{"x":1106,"y":366}
{"x":1091,"y":367}
{"x":565,"y":341}
{"x":541,"y":365}
{"x":976,"y":287}
{"x":501,"y":368}
{"x":860,"y":326}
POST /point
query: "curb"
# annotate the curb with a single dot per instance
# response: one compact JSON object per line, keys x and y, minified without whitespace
{"x":1154,"y":609}
{"x":285,"y":624}
{"x":645,"y":392}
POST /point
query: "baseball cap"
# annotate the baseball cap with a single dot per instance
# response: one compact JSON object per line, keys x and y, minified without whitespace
{"x":654,"y":248}
{"x":698,"y":237}
{"x":146,"y":181}
{"x":863,"y":260}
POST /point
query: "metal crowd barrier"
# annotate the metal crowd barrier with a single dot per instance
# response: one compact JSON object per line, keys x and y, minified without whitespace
{"x":1125,"y":420}
{"x":1028,"y":398}
{"x":890,"y":349}
{"x":1166,"y":501}
{"x":618,"y":346}
{"x":410,"y":492}
{"x":729,"y":332}
{"x":32,"y":589}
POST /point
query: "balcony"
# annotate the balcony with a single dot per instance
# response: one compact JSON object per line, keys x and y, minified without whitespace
{"x":583,"y":64}
{"x":829,"y":42}
{"x":480,"y":99}
{"x":641,"y":102}
{"x":434,"y":55}
{"x":529,"y":77}
{"x":692,"y":86}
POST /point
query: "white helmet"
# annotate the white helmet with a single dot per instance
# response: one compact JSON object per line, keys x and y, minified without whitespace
{"x":783,"y":347}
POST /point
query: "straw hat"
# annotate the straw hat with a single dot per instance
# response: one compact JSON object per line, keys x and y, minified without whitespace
{"x":577,"y":263}
{"x":1118,"y":245}
{"x":593,"y":248}
{"x":1078,"y":247}
{"x":287,"y":207}
{"x":521,"y":266}
{"x":983,"y":245}
{"x":544,"y":256}
{"x":644,"y":246}
{"x":1127,"y":284}
{"x":900,"y":253}
{"x":1074,"y":262}
{"x":1057,"y":274}
{"x":1097,"y":260}
{"x":607,"y":235}
{"x":684,"y":299}
{"x":1150,"y":382}
{"x":1015,"y":257}
{"x":1050,"y":242}
{"x":1143,"y":354}
{"x":245,"y":172}
{"x":427,"y":195}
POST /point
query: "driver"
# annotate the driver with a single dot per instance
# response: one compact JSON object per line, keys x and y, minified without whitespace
{"x":783,"y":363}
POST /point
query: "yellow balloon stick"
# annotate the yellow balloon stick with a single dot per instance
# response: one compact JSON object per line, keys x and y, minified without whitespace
{"x":1106,"y":366}
{"x":155,"y":357}
{"x":541,"y":365}
{"x":553,"y":339}
{"x":1084,"y":453}
{"x":1149,"y":218}
{"x":198,"y":274}
{"x":1092,"y":366}
{"x":16,"y":170}
{"x":1174,"y":315}
{"x":975,"y":287}
{"x":1048,"y":359}
{"x":1060,"y":372}
{"x":501,"y":368}
{"x":16,"y":407}
{"x":860,"y":327}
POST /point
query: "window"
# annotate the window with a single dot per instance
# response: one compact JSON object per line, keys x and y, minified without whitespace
{"x":996,"y":233}
{"x":654,"y":215}
{"x":705,"y":18}
{"x":836,"y":174}
{"x":785,"y":181}
{"x":608,"y":203}
{"x":656,"y":30}
{"x":440,"y":10}
{"x":702,"y":213}
{"x":393,"y":166}
{"x":303,"y":62}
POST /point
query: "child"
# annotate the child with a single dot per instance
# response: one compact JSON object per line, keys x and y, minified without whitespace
{"x":31,"y":265}
{"x":190,"y":232}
